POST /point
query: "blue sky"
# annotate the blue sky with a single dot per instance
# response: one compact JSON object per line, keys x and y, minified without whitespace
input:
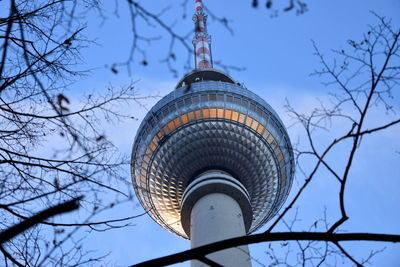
{"x":277,"y":55}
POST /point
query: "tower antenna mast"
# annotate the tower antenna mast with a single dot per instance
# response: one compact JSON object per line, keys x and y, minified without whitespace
{"x":202,"y":40}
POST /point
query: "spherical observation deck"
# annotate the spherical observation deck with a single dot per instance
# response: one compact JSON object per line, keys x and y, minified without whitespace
{"x":210,"y":122}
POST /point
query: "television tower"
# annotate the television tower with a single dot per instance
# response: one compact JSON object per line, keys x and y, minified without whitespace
{"x":211,"y":160}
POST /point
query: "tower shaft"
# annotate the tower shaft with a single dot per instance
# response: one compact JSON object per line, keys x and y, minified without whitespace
{"x":217,"y":217}
{"x":202,"y":40}
{"x":215,"y":207}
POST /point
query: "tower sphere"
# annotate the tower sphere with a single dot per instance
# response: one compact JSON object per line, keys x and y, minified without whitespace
{"x":210,"y":122}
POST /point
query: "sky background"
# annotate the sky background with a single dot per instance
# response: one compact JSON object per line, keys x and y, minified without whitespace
{"x":277,"y":55}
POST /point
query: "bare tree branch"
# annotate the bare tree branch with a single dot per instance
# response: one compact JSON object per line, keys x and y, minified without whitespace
{"x":38,"y":218}
{"x":195,"y":253}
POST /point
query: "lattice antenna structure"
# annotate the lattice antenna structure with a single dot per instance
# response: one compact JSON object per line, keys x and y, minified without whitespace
{"x":202,"y":40}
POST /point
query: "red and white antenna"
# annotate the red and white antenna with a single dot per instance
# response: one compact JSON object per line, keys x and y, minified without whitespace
{"x":202,"y":40}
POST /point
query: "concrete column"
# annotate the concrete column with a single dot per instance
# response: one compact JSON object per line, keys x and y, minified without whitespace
{"x":217,"y":217}
{"x":215,"y":207}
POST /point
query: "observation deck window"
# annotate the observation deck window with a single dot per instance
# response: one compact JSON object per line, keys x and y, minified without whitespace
{"x":184,"y":118}
{"x":206,"y":113}
{"x":198,"y":114}
{"x":177,"y":122}
{"x":152,"y":146}
{"x":220,"y":113}
{"x":228,"y":114}
{"x":191,"y":116}
{"x":254,"y":125}
{"x":241,"y":118}
{"x":235,"y":116}
{"x":213,"y":113}
{"x":260,"y":129}
{"x":166,"y":129}
{"x":249,"y":121}
{"x":171,"y":125}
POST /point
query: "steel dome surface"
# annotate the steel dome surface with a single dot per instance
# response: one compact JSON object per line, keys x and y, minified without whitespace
{"x":210,"y":122}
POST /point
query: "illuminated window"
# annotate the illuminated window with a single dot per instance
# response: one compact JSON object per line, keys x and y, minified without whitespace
{"x":254,"y":125}
{"x":220,"y":113}
{"x":260,"y":128}
{"x":228,"y":114}
{"x":160,"y":135}
{"x":171,"y":125}
{"x":235,"y":116}
{"x":143,"y":179}
{"x":155,"y":140}
{"x":191,"y":115}
{"x":166,"y":130}
{"x":280,"y":156}
{"x":241,"y":117}
{"x":177,"y":122}
{"x":184,"y":118}
{"x":152,"y":146}
{"x":149,"y":152}
{"x":206,"y":113}
{"x":249,"y":121}
{"x":198,"y":114}
{"x":213,"y":113}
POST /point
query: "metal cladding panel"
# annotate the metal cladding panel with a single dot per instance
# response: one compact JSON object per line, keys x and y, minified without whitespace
{"x":205,"y":125}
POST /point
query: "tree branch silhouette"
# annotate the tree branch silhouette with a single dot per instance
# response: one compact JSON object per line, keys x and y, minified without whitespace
{"x":38,"y":218}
